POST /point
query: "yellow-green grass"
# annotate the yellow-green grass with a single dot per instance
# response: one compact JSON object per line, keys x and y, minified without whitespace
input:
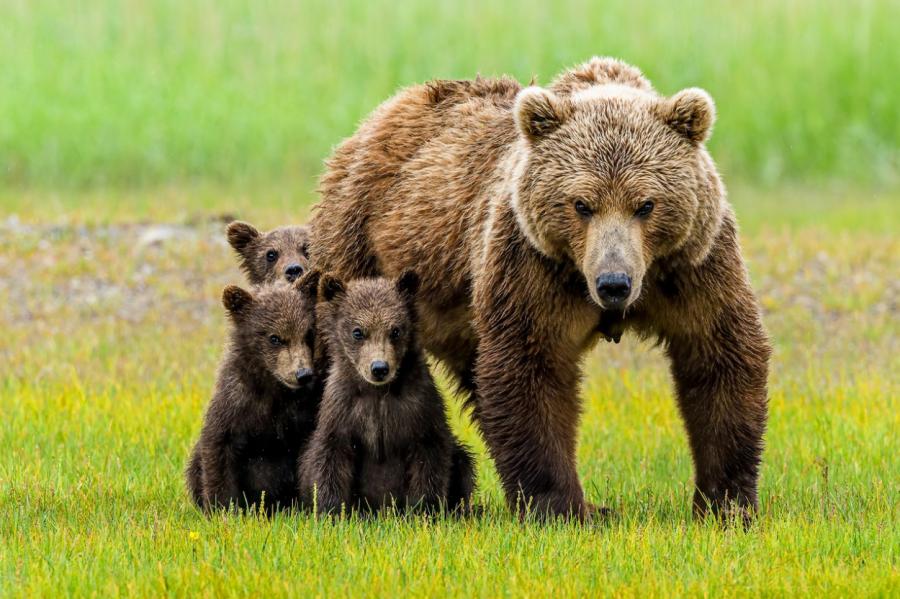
{"x":105,"y":92}
{"x":111,"y":333}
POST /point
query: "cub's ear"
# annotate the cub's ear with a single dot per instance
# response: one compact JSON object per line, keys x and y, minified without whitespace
{"x":236,"y":300}
{"x":331,"y":287}
{"x":241,"y":235}
{"x":691,"y":113}
{"x":308,"y":284}
{"x":408,"y":283}
{"x":539,"y":112}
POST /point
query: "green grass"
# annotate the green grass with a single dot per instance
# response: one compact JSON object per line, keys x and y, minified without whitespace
{"x":151,"y":92}
{"x":108,"y":354}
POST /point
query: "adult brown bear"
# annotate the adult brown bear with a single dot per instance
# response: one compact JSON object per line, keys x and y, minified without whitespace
{"x":541,"y":220}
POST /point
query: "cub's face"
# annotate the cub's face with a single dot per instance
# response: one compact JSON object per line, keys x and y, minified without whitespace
{"x":279,"y":255}
{"x":277,"y":326}
{"x":611,"y":180}
{"x":372,"y":323}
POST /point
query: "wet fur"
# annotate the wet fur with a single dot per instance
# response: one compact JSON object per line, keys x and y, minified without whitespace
{"x":475,"y":191}
{"x":255,"y":426}
{"x":386,"y":445}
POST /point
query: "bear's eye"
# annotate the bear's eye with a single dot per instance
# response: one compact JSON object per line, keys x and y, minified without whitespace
{"x":395,"y":333}
{"x":582,"y":208}
{"x":276,"y":340}
{"x":645,"y":209}
{"x":357,"y":334}
{"x":271,"y":256}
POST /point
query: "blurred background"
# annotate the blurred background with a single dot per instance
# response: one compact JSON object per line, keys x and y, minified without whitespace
{"x":226,"y":98}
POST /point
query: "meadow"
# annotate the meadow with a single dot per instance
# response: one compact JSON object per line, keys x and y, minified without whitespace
{"x":130,"y":132}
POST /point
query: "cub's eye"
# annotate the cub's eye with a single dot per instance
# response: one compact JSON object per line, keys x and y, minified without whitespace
{"x":276,"y":340}
{"x":357,"y":334}
{"x":645,"y":209}
{"x":271,"y":256}
{"x":582,"y":208}
{"x":395,"y":333}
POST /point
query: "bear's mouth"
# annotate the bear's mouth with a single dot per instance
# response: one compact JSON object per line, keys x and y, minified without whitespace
{"x":611,"y":325}
{"x":292,"y":385}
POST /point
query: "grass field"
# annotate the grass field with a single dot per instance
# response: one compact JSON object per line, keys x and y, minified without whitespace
{"x":112,"y":332}
{"x":130,"y":131}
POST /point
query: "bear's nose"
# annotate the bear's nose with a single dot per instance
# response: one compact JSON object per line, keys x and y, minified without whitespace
{"x":293,"y":271}
{"x":380,"y":370}
{"x":305,"y":376}
{"x":613,"y":288}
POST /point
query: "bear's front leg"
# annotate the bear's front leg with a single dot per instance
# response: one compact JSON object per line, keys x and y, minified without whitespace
{"x":720,"y":378}
{"x":326,"y":472}
{"x":528,"y":411}
{"x":219,"y":473}
{"x":428,"y":475}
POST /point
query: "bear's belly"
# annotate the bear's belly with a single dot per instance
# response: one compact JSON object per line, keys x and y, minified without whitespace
{"x":275,"y":477}
{"x":447,"y":334}
{"x":380,"y":484}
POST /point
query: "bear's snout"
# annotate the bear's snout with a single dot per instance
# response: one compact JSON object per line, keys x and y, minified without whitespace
{"x":293,"y":272}
{"x":613,"y":288}
{"x":305,"y":377}
{"x":380,"y":370}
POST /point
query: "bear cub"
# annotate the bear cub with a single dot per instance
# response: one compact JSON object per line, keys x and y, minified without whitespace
{"x":265,"y":403}
{"x":382,"y":437}
{"x":282,"y":254}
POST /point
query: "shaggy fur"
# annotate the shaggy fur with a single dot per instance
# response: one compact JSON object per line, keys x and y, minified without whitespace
{"x":265,"y":403}
{"x":282,"y":254}
{"x":380,"y":440}
{"x":512,"y":203}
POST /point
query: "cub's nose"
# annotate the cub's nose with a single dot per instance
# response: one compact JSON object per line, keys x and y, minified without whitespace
{"x":293,"y":271}
{"x":305,"y":376}
{"x":613,"y":288}
{"x":380,"y":370}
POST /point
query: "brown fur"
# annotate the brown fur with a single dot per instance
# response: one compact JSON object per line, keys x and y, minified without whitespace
{"x":380,"y":441}
{"x":260,"y":416}
{"x":281,"y":254}
{"x":479,"y":195}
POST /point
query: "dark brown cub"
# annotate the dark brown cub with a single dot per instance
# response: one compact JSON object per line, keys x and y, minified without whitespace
{"x":278,"y":255}
{"x":266,"y":398}
{"x":382,"y":437}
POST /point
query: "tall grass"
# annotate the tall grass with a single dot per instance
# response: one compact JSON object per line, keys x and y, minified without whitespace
{"x":149,"y":92}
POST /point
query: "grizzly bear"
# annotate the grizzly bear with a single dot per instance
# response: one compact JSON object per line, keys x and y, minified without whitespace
{"x":540,"y":221}
{"x":266,"y":399}
{"x":382,"y":437}
{"x":280,"y":254}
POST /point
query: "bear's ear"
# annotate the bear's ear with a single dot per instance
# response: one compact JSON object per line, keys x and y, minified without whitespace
{"x":331,"y":287}
{"x":308,"y":284}
{"x":241,"y":235}
{"x":691,"y":113}
{"x":539,"y":112}
{"x":236,"y":300}
{"x":408,"y":283}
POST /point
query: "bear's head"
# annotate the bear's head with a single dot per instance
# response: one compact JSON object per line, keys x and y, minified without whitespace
{"x":614,"y":177}
{"x":275,"y":329}
{"x":279,"y":255}
{"x":370,"y":323}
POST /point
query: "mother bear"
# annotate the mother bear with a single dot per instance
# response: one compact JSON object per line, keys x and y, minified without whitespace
{"x":541,"y":220}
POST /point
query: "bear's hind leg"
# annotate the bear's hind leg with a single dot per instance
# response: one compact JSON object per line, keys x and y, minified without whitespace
{"x":462,"y":480}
